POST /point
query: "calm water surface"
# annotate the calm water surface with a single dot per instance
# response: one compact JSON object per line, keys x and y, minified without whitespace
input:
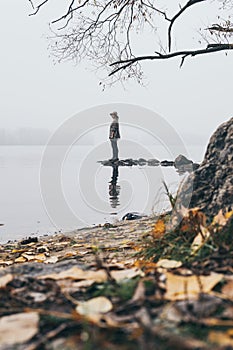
{"x":121,"y":190}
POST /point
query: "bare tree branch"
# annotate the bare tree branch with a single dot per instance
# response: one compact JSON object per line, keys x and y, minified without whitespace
{"x":157,"y":10}
{"x":104,"y":31}
{"x":32,"y":5}
{"x":38,"y":7}
{"x":177,"y":15}
{"x":70,"y":11}
{"x":211,"y":48}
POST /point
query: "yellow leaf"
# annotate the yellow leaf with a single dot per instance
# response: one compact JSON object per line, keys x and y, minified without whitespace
{"x":20,"y":259}
{"x":4,"y":280}
{"x":70,"y":254}
{"x":221,"y":338}
{"x":31,"y":257}
{"x":18,"y":250}
{"x":40,"y":257}
{"x":159,"y":229}
{"x":28,"y":257}
{"x":229,"y":214}
{"x":217,"y":322}
{"x":18,"y":328}
{"x":188,"y":287}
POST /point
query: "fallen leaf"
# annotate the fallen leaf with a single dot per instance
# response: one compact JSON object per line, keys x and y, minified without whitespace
{"x":159,"y":229}
{"x":94,"y":307}
{"x":220,"y":219}
{"x":217,"y":322}
{"x":221,"y":338}
{"x":18,"y":250}
{"x":4,"y":280}
{"x":189,"y":287}
{"x":199,"y":240}
{"x":229,"y":214}
{"x":51,"y":260}
{"x":140,"y":291}
{"x":119,"y":275}
{"x":6,"y":262}
{"x":18,"y":328}
{"x":228,"y":289}
{"x":20,"y":259}
{"x":76,"y":273}
{"x":69,"y":286}
{"x":28,"y":257}
{"x":145,"y":264}
{"x":40,"y":257}
{"x":168,"y":264}
{"x":69,"y":254}
{"x":61,"y":244}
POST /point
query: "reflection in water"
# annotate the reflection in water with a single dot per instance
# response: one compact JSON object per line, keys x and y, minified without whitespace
{"x":114,"y":189}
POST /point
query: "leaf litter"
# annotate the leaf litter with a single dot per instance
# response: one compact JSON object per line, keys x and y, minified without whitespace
{"x":130,"y":285}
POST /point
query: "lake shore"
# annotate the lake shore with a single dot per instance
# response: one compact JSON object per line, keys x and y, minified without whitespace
{"x":92,"y":288}
{"x":78,"y":244}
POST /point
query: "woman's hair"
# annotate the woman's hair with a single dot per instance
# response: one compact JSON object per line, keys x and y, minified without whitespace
{"x":114,"y":115}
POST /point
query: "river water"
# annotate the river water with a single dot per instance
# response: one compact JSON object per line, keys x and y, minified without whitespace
{"x":93,"y":193}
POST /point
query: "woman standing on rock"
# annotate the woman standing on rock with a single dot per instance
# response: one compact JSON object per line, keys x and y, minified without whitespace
{"x":114,"y":135}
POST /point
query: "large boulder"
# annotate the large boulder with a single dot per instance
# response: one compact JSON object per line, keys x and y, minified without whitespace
{"x":210,"y":187}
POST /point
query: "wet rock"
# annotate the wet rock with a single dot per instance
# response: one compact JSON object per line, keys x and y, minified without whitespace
{"x":141,"y":161}
{"x":128,"y":162}
{"x":167,"y":163}
{"x":133,"y":216}
{"x":210,"y":187}
{"x":105,"y":162}
{"x":182,"y":161}
{"x":153,"y":162}
{"x":195,"y":166}
{"x":29,"y":240}
{"x":185,"y":168}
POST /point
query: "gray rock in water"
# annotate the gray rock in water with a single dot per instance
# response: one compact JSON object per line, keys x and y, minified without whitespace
{"x":141,"y":161}
{"x":182,"y":161}
{"x":211,"y":185}
{"x":167,"y":163}
{"x":153,"y":162}
{"x":133,"y":216}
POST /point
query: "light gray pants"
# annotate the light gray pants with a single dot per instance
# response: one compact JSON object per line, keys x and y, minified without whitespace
{"x":114,"y":148}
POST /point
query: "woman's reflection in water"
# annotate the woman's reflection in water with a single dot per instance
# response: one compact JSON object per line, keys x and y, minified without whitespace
{"x":114,"y":189}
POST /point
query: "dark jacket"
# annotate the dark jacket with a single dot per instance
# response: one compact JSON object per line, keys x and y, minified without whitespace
{"x":114,"y":131}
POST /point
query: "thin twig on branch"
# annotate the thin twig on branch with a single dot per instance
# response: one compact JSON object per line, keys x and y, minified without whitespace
{"x":70,"y":11}
{"x":209,"y":49}
{"x":219,"y":28}
{"x":157,"y":10}
{"x":37,"y":8}
{"x":32,"y":5}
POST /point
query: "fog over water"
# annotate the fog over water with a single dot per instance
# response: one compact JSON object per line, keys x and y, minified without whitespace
{"x":38,"y":97}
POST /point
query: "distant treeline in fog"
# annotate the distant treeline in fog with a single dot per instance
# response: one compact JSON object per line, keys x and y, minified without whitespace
{"x":24,"y":136}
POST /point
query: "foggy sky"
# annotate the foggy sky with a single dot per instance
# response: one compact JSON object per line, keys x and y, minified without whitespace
{"x":36,"y":93}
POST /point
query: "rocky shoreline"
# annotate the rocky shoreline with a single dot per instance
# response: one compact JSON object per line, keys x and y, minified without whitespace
{"x":181,"y":163}
{"x":78,"y":243}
